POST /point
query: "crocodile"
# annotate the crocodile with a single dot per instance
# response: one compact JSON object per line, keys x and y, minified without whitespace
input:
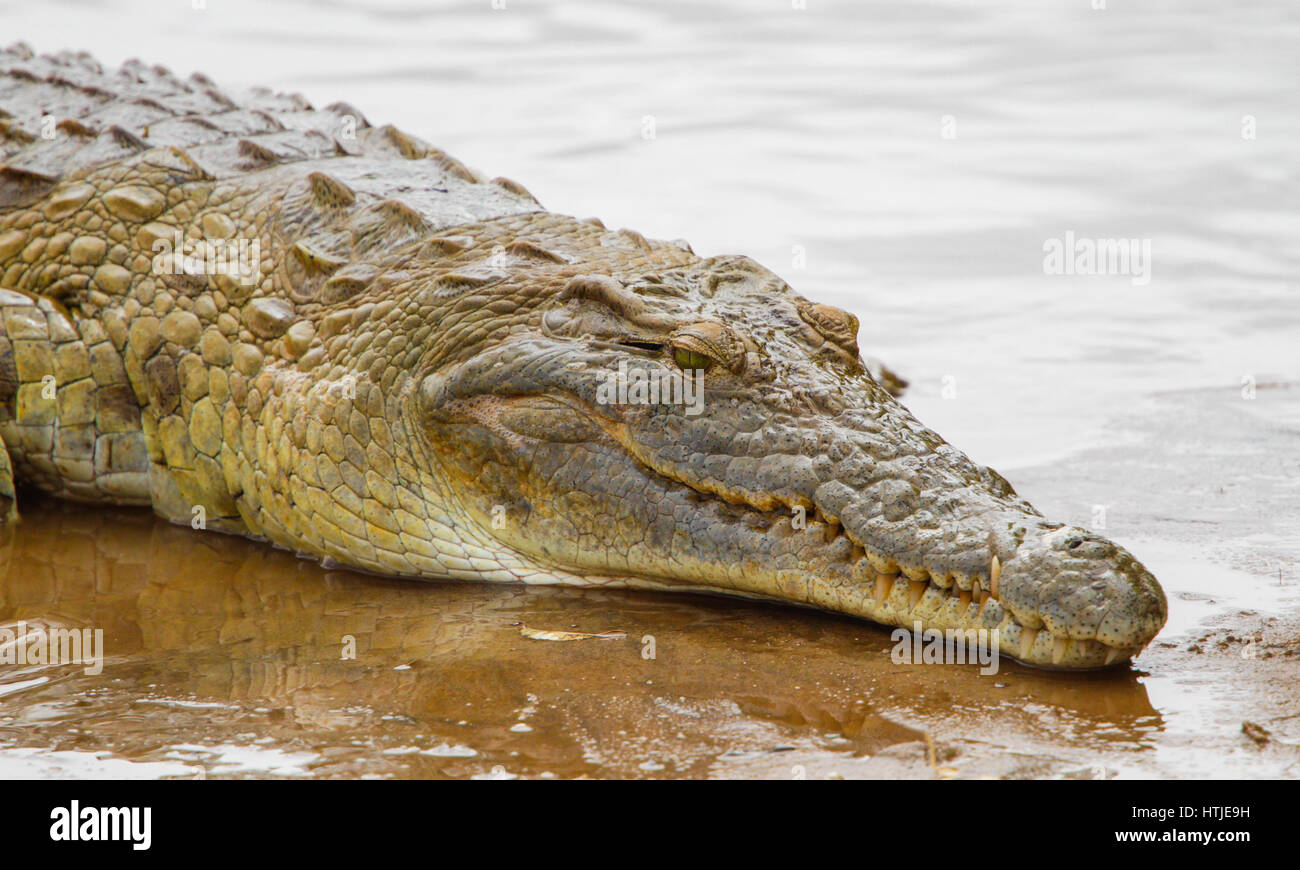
{"x":271,"y":320}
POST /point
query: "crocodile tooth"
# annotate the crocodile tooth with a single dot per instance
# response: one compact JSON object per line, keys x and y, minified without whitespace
{"x":914,"y":592}
{"x":1059,"y":649}
{"x":995,"y":572}
{"x":1112,"y":655}
{"x":884,"y":586}
{"x":1027,"y":638}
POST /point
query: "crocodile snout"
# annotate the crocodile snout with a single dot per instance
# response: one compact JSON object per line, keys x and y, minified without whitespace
{"x":1075,"y":594}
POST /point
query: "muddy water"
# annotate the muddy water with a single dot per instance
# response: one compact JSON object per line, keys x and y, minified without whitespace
{"x":814,"y":141}
{"x":226,"y":657}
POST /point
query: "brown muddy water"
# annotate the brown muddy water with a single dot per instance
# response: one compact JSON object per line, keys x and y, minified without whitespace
{"x":907,"y":162}
{"x":225,"y":657}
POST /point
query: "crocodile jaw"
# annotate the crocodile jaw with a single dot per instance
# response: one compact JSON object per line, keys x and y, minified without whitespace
{"x":883,"y":520}
{"x":1045,"y":607}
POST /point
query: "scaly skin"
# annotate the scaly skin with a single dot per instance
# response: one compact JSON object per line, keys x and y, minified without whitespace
{"x":412,"y":385}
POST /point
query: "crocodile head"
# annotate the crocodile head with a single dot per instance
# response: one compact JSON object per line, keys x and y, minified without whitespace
{"x":706,"y":428}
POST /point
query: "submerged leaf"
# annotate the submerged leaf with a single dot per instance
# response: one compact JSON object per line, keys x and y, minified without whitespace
{"x":543,"y":634}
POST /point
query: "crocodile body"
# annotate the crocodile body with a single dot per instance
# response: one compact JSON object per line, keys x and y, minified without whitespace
{"x":285,"y":323}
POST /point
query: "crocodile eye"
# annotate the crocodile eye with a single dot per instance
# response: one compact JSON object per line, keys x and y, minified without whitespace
{"x":690,"y":359}
{"x":698,"y":346}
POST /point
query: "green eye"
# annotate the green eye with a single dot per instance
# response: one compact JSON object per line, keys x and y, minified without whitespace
{"x":689,"y":359}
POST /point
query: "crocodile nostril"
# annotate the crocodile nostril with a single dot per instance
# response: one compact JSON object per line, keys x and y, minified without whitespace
{"x":1090,"y":548}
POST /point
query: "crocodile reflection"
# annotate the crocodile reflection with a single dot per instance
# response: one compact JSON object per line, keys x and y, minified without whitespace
{"x":215,"y":639}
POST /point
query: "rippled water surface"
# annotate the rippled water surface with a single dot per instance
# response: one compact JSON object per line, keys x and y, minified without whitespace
{"x":821,"y":142}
